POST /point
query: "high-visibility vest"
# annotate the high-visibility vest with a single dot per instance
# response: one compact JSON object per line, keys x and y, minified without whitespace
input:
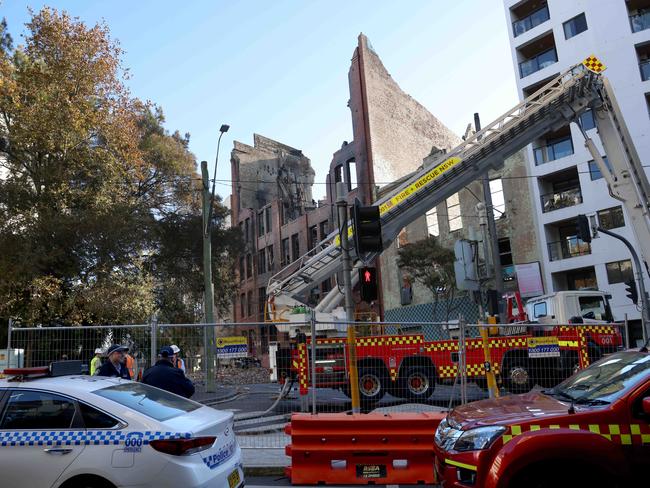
{"x":130,"y":365}
{"x":95,"y":364}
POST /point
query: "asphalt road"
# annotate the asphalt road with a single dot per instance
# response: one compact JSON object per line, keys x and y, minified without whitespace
{"x":260,"y":397}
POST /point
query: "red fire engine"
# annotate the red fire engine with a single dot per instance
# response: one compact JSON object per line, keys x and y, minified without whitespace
{"x":408,"y":366}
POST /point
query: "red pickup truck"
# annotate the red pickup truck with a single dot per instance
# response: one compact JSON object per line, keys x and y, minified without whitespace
{"x":591,"y":430}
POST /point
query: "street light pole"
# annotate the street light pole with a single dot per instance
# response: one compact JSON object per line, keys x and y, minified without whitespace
{"x":208,"y":290}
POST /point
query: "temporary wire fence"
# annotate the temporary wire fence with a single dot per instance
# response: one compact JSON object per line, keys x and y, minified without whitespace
{"x":263,"y":372}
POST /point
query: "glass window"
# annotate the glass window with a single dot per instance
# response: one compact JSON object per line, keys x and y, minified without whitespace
{"x":286,"y":255}
{"x":249,"y":266}
{"x":608,"y":379}
{"x":295,"y":247}
{"x":242,"y":268}
{"x":247,"y":226}
{"x":267,"y":214}
{"x":592,"y":308}
{"x":249,"y":303}
{"x":619,"y":271}
{"x":260,"y":224}
{"x":261,"y":262}
{"x":594,"y":170}
{"x":611,"y":218}
{"x":432,"y":222}
{"x":575,"y":26}
{"x":533,"y":20}
{"x":94,"y":419}
{"x":498,"y":202}
{"x":587,"y":120}
{"x":152,"y":402}
{"x":505,"y":252}
{"x":261,"y":300}
{"x":242,"y":305}
{"x":31,"y":410}
{"x":313,"y":237}
{"x":270,"y":258}
{"x":454,"y":217}
{"x":324,"y":229}
{"x":560,"y":148}
{"x":540,"y":310}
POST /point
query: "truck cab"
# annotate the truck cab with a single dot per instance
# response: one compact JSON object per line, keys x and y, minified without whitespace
{"x":566,"y":307}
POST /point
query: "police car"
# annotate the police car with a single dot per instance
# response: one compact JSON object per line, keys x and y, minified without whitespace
{"x":70,"y":430}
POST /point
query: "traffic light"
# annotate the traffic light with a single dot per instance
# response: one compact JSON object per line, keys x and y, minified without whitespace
{"x":583,"y":228}
{"x":368,"y":281}
{"x":367,"y":229}
{"x":631,"y":291}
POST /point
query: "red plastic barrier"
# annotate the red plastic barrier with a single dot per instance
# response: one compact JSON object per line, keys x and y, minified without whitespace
{"x":361,"y":449}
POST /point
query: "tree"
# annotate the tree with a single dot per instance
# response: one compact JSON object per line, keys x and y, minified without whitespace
{"x":97,"y":198}
{"x":433,"y":266}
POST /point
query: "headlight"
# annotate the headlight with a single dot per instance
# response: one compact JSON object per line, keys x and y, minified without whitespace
{"x":446,"y":435}
{"x":480,"y":438}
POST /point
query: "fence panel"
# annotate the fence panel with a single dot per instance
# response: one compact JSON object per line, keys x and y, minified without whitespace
{"x":263,"y":372}
{"x":39,"y":346}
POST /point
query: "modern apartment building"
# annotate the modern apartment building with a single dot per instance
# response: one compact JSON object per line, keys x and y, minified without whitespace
{"x":546,"y":38}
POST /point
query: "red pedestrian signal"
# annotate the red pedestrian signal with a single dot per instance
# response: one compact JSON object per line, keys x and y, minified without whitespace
{"x":369,"y":285}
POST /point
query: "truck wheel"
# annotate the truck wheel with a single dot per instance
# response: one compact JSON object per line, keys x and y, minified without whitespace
{"x":517,"y":376}
{"x":372,"y":384}
{"x":417,"y":383}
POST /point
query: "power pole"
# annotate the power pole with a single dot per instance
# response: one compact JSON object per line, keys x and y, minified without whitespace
{"x":492,"y":228}
{"x":342,"y":207}
{"x":207,"y":279}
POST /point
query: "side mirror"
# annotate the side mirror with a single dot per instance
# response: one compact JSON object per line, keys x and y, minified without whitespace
{"x":646,"y":405}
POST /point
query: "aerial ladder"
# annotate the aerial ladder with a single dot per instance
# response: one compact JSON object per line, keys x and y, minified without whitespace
{"x":559,"y":102}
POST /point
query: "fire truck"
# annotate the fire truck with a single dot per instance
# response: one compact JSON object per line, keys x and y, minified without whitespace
{"x":411,"y":364}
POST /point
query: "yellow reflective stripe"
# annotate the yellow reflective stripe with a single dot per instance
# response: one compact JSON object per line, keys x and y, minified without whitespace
{"x":516,"y":429}
{"x":614,"y":429}
{"x":460,"y":465}
{"x":416,"y":186}
{"x":635,"y":429}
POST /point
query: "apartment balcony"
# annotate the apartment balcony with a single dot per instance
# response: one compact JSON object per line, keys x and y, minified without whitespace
{"x":644,"y":67}
{"x":556,"y":146}
{"x":562,"y":199}
{"x":639,"y":13}
{"x":539,"y":62}
{"x":569,"y":247}
{"x":530,"y":21}
{"x":560,"y":190}
{"x":640,"y":21}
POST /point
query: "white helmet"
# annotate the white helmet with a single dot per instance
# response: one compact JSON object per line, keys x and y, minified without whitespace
{"x":176,"y":349}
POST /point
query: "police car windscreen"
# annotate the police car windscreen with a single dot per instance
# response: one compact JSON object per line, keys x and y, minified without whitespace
{"x":150,"y":401}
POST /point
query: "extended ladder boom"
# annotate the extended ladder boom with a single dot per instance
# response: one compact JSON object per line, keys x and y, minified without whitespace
{"x":560,"y":101}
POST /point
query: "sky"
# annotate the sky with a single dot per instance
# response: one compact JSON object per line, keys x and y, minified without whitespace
{"x":279,"y":68}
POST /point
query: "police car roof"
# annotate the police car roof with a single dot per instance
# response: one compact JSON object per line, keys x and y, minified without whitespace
{"x":64,"y":384}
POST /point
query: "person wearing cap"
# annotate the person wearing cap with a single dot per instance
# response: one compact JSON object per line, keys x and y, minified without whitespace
{"x":96,"y":362}
{"x":177,"y":361}
{"x":115,"y":366}
{"x":165,"y":376}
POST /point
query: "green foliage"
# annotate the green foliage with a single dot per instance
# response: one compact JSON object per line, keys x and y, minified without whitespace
{"x":99,"y":204}
{"x":433,"y":266}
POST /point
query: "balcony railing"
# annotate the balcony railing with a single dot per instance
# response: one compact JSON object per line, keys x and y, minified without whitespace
{"x":533,"y":20}
{"x":644,"y":66}
{"x":541,"y":61}
{"x":559,"y":148}
{"x":640,"y":21}
{"x":562,"y":199}
{"x":568,"y":248}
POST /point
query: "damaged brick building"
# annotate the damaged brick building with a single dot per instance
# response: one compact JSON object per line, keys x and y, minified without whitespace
{"x":393,"y":135}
